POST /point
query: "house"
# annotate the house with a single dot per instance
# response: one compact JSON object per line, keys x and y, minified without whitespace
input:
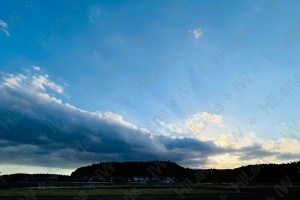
{"x":167,"y":180}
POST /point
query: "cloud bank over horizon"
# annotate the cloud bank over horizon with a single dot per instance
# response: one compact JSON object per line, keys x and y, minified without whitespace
{"x":40,"y":130}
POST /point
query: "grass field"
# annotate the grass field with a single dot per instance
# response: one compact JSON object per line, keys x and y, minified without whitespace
{"x":167,"y":191}
{"x":106,"y":191}
{"x":114,"y":193}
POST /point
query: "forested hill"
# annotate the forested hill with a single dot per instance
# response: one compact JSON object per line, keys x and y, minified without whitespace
{"x":133,"y":169}
{"x":168,"y":172}
{"x":162,"y":169}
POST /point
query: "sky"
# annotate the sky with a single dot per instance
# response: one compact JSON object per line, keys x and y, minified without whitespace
{"x":205,"y":84}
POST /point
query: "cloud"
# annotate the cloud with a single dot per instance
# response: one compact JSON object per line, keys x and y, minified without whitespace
{"x":244,"y":147}
{"x":36,"y":68}
{"x":3,"y":24}
{"x":41,"y":81}
{"x":205,"y":118}
{"x":34,"y":83}
{"x":4,"y":27}
{"x":38,"y":129}
{"x":175,"y":128}
{"x":196,"y":33}
{"x":91,"y":19}
{"x":197,"y":122}
{"x":5,"y":31}
{"x":56,"y":129}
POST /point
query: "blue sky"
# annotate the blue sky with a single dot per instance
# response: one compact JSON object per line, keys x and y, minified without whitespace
{"x":143,"y":73}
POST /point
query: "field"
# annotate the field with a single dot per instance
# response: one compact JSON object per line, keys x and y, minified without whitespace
{"x":125,"y":192}
{"x":101,"y":192}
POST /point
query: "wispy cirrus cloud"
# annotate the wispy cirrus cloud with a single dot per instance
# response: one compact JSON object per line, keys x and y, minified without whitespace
{"x":4,"y":27}
{"x":91,"y":20}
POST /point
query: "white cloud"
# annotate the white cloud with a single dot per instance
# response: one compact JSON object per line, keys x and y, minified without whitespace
{"x":198,"y":122}
{"x":33,"y":83}
{"x":215,"y":119}
{"x":175,"y":128}
{"x":115,"y":118}
{"x":203,"y":119}
{"x":196,"y":33}
{"x":4,"y":27}
{"x":36,"y":68}
{"x":14,"y":80}
{"x":39,"y":81}
{"x":3,"y":24}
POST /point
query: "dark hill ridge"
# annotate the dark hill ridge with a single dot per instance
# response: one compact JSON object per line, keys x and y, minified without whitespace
{"x":153,"y":169}
{"x":167,"y":172}
{"x":262,"y":173}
